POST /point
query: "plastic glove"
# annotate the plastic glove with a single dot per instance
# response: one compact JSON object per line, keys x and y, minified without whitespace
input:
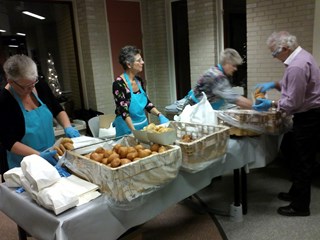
{"x":49,"y":156}
{"x":262,"y":104}
{"x":163,"y":119}
{"x":62,"y":171}
{"x":264,"y":87}
{"x":71,"y":132}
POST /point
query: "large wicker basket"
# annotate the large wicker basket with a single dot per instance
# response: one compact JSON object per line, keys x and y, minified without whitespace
{"x":209,"y":144}
{"x":271,"y":122}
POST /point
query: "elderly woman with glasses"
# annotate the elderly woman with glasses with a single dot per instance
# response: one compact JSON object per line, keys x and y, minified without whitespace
{"x":300,"y":97}
{"x":215,"y":83}
{"x":130,"y":95}
{"x":27,"y":111}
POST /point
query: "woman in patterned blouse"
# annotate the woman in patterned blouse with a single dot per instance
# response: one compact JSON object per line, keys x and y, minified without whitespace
{"x":216,"y":85}
{"x":129,"y":94}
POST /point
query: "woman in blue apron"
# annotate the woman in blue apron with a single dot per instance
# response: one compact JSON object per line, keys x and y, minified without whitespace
{"x":39,"y":133}
{"x":26,"y":126}
{"x":130,"y":97}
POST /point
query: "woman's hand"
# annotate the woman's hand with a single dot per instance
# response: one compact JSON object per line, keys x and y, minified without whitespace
{"x":71,"y":132}
{"x":163,"y":119}
{"x":262,"y":104}
{"x":49,"y":156}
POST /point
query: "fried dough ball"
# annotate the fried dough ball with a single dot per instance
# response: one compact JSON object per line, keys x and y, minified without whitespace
{"x":68,"y":146}
{"x":116,"y":147}
{"x":124,"y":161}
{"x":66,"y":140}
{"x":115,"y":163}
{"x":100,"y":150}
{"x":59,"y":151}
{"x":186,"y":138}
{"x":162,"y":149}
{"x":258,"y":94}
{"x":96,"y":156}
{"x":132,"y":155}
{"x":155,"y":147}
{"x":123,"y":151}
{"x":107,"y":153}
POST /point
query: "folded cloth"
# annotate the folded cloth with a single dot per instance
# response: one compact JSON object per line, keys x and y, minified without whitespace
{"x":13,"y":177}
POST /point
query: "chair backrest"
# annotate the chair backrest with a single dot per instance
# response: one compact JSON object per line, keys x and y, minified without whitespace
{"x":94,"y":126}
{"x":101,"y":121}
{"x":106,"y":119}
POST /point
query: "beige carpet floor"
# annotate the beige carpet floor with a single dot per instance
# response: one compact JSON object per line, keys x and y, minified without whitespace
{"x":181,"y":221}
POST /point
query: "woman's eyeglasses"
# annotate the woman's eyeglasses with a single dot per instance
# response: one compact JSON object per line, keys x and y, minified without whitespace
{"x":27,"y":86}
{"x":139,"y":60}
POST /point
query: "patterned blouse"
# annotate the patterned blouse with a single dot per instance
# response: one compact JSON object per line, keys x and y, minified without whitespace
{"x":215,"y":84}
{"x":122,"y":97}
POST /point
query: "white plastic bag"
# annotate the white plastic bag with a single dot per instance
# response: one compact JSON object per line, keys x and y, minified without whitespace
{"x":201,"y":113}
{"x":107,"y":132}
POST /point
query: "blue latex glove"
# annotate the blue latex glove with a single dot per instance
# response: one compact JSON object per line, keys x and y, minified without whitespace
{"x":264,"y":87}
{"x":49,"y":156}
{"x":62,"y":171}
{"x":71,"y":132}
{"x":262,"y":104}
{"x":163,"y":119}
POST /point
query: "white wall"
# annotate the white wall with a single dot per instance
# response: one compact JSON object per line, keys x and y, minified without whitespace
{"x":265,"y":17}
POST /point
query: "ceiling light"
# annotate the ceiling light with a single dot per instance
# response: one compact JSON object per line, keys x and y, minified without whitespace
{"x":33,"y":15}
{"x":13,"y":46}
{"x":2,"y":30}
{"x":20,"y":34}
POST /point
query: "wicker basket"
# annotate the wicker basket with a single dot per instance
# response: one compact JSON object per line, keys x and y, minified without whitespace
{"x":127,"y":183}
{"x":270,"y":122}
{"x":209,"y":145}
{"x":239,"y":132}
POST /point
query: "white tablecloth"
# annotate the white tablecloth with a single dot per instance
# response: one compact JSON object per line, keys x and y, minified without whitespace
{"x":97,"y":220}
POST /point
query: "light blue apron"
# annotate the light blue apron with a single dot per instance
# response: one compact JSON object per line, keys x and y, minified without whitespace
{"x":39,"y":133}
{"x":136,"y":111}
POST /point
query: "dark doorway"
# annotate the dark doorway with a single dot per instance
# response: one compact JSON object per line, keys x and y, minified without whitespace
{"x":235,"y":36}
{"x":181,"y":47}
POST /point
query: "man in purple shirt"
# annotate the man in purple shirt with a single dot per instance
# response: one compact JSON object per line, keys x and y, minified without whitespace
{"x":300,"y":97}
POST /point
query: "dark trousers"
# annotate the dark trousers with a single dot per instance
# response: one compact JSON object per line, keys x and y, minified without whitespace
{"x":306,"y":131}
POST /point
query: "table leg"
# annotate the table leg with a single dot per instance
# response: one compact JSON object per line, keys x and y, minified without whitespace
{"x":244,"y":191}
{"x":22,"y":233}
{"x":240,"y":189}
{"x":236,"y":187}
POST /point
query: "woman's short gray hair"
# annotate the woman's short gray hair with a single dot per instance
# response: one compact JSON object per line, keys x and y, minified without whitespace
{"x":230,"y":55}
{"x":282,"y":39}
{"x":19,"y":67}
{"x":127,"y":54}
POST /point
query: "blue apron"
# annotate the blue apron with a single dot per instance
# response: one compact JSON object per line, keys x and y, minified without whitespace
{"x":136,"y":110}
{"x":39,"y":133}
